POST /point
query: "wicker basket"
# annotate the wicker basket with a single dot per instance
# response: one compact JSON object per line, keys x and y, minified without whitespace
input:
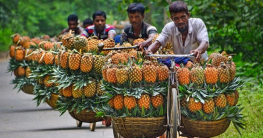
{"x":53,"y":100}
{"x":130,"y":127}
{"x":84,"y":116}
{"x":28,"y":88}
{"x":205,"y":128}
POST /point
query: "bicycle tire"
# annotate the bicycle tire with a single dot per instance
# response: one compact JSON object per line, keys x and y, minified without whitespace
{"x":174,"y":114}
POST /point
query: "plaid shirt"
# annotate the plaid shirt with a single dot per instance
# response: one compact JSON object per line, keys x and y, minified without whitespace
{"x":91,"y":31}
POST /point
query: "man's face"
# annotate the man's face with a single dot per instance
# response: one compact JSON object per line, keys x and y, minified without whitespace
{"x":181,"y":20}
{"x":99,"y":23}
{"x":135,"y":19}
{"x":72,"y":25}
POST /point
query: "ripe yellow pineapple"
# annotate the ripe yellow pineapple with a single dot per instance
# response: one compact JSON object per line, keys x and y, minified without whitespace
{"x":218,"y":58}
{"x":28,"y":71}
{"x":137,"y":41}
{"x":90,"y":89}
{"x":76,"y":92}
{"x":119,"y":57}
{"x":194,"y":106}
{"x":86,"y":62}
{"x":98,"y":63}
{"x":223,"y":73}
{"x":211,"y":74}
{"x":220,"y":101}
{"x":99,"y":89}
{"x":236,"y":97}
{"x":108,"y":43}
{"x":162,"y":72}
{"x":197,"y":75}
{"x":64,"y":59}
{"x":135,"y":73}
{"x":209,"y":106}
{"x":68,"y":40}
{"x":74,"y":61}
{"x":12,"y":51}
{"x":47,"y":81}
{"x":67,"y":92}
{"x":19,"y":54}
{"x":144,"y":101}
{"x":80,"y":43}
{"x":15,"y":38}
{"x":111,"y":74}
{"x":93,"y":44}
{"x":56,"y":59}
{"x":20,"y":71}
{"x":126,"y":44}
{"x":130,"y":102}
{"x":28,"y":54}
{"x":157,"y":100}
{"x":230,"y":98}
{"x":40,"y":56}
{"x":122,"y":74}
{"x":111,"y":102}
{"x":183,"y":75}
{"x":104,"y":72}
{"x":48,"y":46}
{"x":49,"y":58}
{"x":118,"y":102}
{"x":149,"y":72}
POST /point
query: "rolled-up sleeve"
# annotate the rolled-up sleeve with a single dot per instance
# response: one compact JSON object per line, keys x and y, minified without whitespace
{"x":165,"y":34}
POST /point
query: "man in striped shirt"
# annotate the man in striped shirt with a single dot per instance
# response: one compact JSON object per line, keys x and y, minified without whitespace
{"x":99,"y":27}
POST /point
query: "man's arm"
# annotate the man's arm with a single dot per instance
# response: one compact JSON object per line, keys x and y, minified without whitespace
{"x":111,"y":35}
{"x":200,"y":50}
{"x":147,"y":42}
{"x":153,"y":48}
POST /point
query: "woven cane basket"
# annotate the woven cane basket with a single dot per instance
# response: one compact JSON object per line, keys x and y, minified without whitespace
{"x":28,"y":88}
{"x":52,"y":102}
{"x":84,"y":116}
{"x":135,"y":127}
{"x":205,"y":128}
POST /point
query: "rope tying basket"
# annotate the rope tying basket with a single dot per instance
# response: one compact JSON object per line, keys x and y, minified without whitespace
{"x":52,"y":102}
{"x":29,"y":88}
{"x":84,"y":116}
{"x":205,"y":128}
{"x":133,"y":127}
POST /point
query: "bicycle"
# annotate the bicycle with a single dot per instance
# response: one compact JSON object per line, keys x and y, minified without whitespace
{"x":173,"y":101}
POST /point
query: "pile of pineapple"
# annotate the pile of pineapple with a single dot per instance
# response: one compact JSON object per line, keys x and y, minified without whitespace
{"x":209,"y":92}
{"x":134,"y":86}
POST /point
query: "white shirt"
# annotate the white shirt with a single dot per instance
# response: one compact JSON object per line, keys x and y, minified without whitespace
{"x":197,"y":33}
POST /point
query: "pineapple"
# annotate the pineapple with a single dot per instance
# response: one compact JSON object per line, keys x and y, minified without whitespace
{"x":118,"y":102}
{"x":230,"y":98}
{"x":99,"y":90}
{"x":130,"y":102}
{"x":36,"y":40}
{"x":57,"y":59}
{"x":45,"y":37}
{"x":67,"y":92}
{"x":236,"y":97}
{"x":218,"y":58}
{"x":111,"y":102}
{"x":126,"y":44}
{"x":86,"y":62}
{"x":24,"y":41}
{"x":28,"y":54}
{"x":93,"y":44}
{"x":49,"y":58}
{"x":64,"y":59}
{"x":47,"y":82}
{"x":90,"y":89}
{"x":12,"y":51}
{"x":68,"y":40}
{"x":119,"y":57}
{"x":20,"y":71}
{"x":183,"y":75}
{"x":162,"y":72}
{"x":155,"y":37}
{"x":157,"y":100}
{"x":98,"y":63}
{"x":80,"y":43}
{"x":108,"y":43}
{"x":137,"y":41}
{"x":74,"y":61}
{"x":208,"y":106}
{"x":197,"y":75}
{"x":183,"y":102}
{"x":76,"y":92}
{"x":149,"y":72}
{"x":194,"y":106}
{"x":211,"y":74}
{"x":104,"y":72}
{"x":41,"y":44}
{"x":19,"y":54}
{"x":122,"y":74}
{"x":28,"y":71}
{"x":232,"y":69}
{"x":135,"y":73}
{"x":220,"y":101}
{"x":144,"y":101}
{"x":223,"y":73}
{"x":40,"y":56}
{"x":111,"y":74}
{"x":189,"y":64}
{"x":15,"y":38}
{"x":48,"y":46}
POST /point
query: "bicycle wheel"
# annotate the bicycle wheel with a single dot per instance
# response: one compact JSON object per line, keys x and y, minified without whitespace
{"x":173,"y":114}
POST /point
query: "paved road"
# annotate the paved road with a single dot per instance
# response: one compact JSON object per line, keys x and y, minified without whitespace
{"x":20,"y":118}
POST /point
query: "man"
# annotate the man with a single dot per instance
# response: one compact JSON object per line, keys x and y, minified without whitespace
{"x":188,"y":35}
{"x":87,"y":22}
{"x":138,"y":28}
{"x":99,"y":27}
{"x":73,"y":25}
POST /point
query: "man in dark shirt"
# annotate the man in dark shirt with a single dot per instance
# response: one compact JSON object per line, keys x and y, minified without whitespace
{"x":138,"y":28}
{"x":73,"y":25}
